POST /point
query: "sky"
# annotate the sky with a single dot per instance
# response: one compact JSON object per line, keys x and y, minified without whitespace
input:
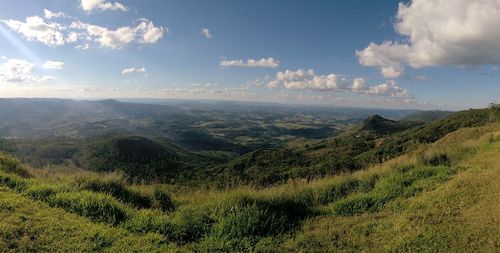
{"x":424,"y":54}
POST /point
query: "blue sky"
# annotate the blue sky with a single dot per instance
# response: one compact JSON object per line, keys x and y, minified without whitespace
{"x":344,"y":53}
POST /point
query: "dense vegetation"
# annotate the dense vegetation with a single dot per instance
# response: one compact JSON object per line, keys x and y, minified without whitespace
{"x":173,"y":141}
{"x":374,"y":140}
{"x":435,"y":197}
{"x":158,"y":159}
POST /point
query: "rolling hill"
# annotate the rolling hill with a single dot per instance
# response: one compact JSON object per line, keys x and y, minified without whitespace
{"x":439,"y":193}
{"x":372,"y":141}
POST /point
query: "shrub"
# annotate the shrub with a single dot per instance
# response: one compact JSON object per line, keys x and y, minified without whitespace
{"x":146,"y":221}
{"x":191,"y":223}
{"x":41,"y":192}
{"x":96,"y":206}
{"x":245,"y":221}
{"x":10,"y":164}
{"x":288,"y":209}
{"x":345,"y":187}
{"x":251,"y":216}
{"x":116,"y":188}
{"x":435,"y":159}
{"x":13,"y":181}
{"x":336,"y":191}
{"x":162,"y":200}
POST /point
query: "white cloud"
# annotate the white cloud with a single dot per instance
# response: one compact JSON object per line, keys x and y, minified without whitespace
{"x":20,"y":71}
{"x":90,"y":5}
{"x":83,"y":46}
{"x":389,"y":89}
{"x":206,"y":33}
{"x":263,"y":63}
{"x":359,"y":84}
{"x":55,"y":34}
{"x":439,"y":33}
{"x":149,"y":33}
{"x":144,"y":32}
{"x":49,"y":14}
{"x":72,"y":37}
{"x":128,"y":71}
{"x":53,"y":65}
{"x":35,"y":28}
{"x":308,"y":80}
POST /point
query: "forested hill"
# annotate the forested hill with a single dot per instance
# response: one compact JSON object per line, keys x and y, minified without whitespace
{"x":372,"y":141}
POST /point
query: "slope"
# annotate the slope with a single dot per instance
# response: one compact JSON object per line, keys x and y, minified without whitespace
{"x":441,"y":196}
{"x":458,"y":215}
{"x":375,"y":140}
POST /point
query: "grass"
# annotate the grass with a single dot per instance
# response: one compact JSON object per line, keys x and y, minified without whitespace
{"x":96,"y":206}
{"x":32,"y":226}
{"x":402,"y":182}
{"x":439,"y":198}
{"x":114,"y":186}
{"x":455,"y":215}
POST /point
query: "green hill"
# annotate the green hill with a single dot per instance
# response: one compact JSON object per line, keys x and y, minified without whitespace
{"x":426,"y":116}
{"x":379,"y":126}
{"x":438,"y":194}
{"x":374,"y":140}
{"x":140,"y":158}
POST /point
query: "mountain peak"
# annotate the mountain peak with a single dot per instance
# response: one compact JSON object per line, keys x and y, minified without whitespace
{"x":379,"y":125}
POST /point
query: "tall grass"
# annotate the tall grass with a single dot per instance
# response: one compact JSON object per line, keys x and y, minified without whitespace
{"x":402,"y":182}
{"x":114,"y":186}
{"x":96,"y":206}
{"x":10,"y":164}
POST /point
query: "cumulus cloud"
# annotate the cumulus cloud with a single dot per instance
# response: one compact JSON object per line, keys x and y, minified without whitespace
{"x":36,"y":29}
{"x":308,"y":80}
{"x":20,"y":71}
{"x":90,"y":5}
{"x":128,"y":71}
{"x":439,"y":33}
{"x":262,"y":63}
{"x":206,"y":33}
{"x":53,"y":65}
{"x":359,"y":84}
{"x":144,"y":32}
{"x":54,"y":34}
{"x":389,"y":89}
{"x":148,"y":33}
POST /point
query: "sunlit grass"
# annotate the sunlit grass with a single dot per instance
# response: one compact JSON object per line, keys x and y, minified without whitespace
{"x":441,"y":197}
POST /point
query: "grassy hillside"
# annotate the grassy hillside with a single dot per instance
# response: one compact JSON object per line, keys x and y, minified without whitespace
{"x":372,"y":141}
{"x":441,"y":195}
